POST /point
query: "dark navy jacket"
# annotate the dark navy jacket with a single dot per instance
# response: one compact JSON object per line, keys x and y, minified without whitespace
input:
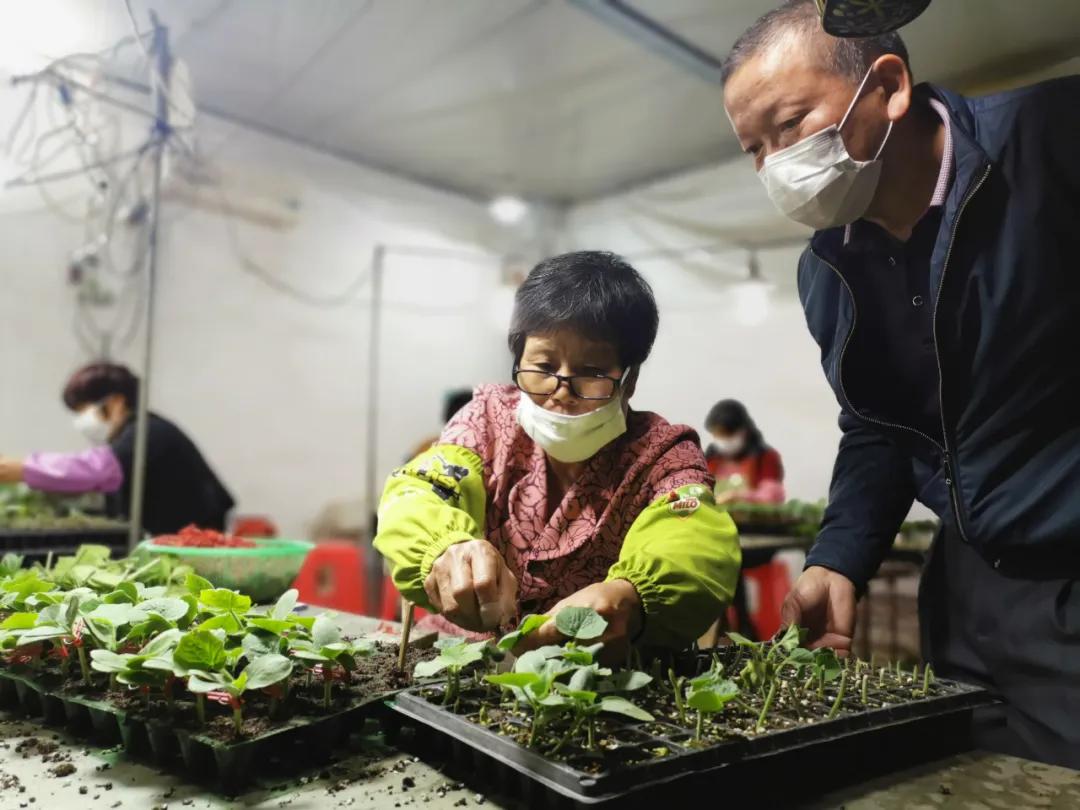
{"x":1005,"y":273}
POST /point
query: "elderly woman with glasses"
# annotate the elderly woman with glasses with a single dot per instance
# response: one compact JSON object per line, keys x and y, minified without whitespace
{"x":552,"y":492}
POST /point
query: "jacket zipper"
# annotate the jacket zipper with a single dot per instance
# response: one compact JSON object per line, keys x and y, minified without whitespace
{"x":944,"y":449}
{"x":947,"y":460}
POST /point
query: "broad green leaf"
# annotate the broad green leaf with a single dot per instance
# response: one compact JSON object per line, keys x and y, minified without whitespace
{"x":238,"y":685}
{"x":310,"y":655}
{"x":555,"y":701}
{"x":448,"y":643}
{"x":254,"y":646}
{"x":171,"y":609}
{"x":528,"y":625}
{"x":583,"y":678}
{"x":427,"y":669}
{"x":103,"y":631}
{"x":125,"y":592}
{"x":19,"y":621}
{"x":267,"y":670}
{"x":463,"y":654}
{"x":801,"y":657}
{"x":577,"y":655}
{"x":117,"y":614}
{"x":827,"y":663}
{"x":741,"y":640}
{"x":153,"y":625}
{"x":224,"y":622}
{"x":580,"y":623}
{"x":106,"y":661}
{"x":224,"y":599}
{"x":324,"y":632}
{"x":585,"y":696}
{"x":285,"y":604}
{"x":533,"y":661}
{"x":201,"y":650}
{"x":790,"y":640}
{"x":619,"y":705}
{"x":275,"y":626}
{"x":626,"y":680}
{"x":712,"y":699}
{"x":139,"y":677}
{"x":162,"y":643}
{"x":202,"y":682}
{"x":195,"y":585}
{"x":513,"y":679}
{"x":42,"y":633}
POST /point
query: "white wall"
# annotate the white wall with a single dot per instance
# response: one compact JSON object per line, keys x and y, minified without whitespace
{"x":273,"y":391}
{"x":704,"y":352}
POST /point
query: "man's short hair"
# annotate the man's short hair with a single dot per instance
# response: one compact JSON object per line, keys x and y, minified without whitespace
{"x":851,"y":58}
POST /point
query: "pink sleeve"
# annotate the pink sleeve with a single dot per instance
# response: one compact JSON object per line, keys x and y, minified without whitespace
{"x":768,"y":491}
{"x":93,"y":470}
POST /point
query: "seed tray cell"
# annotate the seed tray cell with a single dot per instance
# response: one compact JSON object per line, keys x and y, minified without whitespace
{"x":854,"y":744}
{"x":226,"y":767}
{"x":34,"y":545}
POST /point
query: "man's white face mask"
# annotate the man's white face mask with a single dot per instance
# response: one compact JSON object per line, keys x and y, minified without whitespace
{"x":816,"y":182}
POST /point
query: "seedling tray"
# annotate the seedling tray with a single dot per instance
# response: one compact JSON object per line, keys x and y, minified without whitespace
{"x":34,"y":545}
{"x":226,"y":767}
{"x":772,"y":764}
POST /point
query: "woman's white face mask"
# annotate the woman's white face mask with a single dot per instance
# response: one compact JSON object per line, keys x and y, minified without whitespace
{"x":571,"y":439}
{"x":92,"y":425}
{"x":817,"y":182}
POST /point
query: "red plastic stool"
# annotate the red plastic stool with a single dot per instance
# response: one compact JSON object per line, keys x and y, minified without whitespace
{"x":333,"y":576}
{"x":767,"y":586}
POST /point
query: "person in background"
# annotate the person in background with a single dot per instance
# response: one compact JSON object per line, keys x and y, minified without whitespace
{"x":454,"y":402}
{"x":941,"y":285}
{"x":746,"y":469}
{"x":552,"y":492}
{"x":181,"y":489}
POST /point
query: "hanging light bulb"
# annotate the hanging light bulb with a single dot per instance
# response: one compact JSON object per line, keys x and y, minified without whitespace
{"x":507,"y":209}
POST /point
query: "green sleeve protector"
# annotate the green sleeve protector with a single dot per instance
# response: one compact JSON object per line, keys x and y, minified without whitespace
{"x":682,"y":556}
{"x":436,"y":500}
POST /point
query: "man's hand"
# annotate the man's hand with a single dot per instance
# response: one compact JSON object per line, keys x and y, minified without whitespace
{"x":823,"y":601}
{"x":471,"y":585}
{"x":617,"y":601}
{"x":11,"y":470}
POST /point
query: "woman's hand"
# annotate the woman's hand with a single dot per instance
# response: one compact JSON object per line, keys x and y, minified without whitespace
{"x":11,"y":470}
{"x":471,"y":585}
{"x":617,"y":601}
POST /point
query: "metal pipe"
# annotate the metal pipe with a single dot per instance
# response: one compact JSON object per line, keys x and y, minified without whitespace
{"x":160,"y":47}
{"x":378,"y":260}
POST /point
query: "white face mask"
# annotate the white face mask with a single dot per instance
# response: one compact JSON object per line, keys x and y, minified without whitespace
{"x":729,"y":445}
{"x":92,"y":425}
{"x":816,"y":182}
{"x":570,"y":439}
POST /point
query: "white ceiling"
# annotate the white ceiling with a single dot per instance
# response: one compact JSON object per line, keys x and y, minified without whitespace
{"x":535,"y":97}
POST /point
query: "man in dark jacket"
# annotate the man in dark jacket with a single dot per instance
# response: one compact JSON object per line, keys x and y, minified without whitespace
{"x":943,"y":287}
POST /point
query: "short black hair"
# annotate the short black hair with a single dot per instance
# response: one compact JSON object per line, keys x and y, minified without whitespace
{"x":92,"y":383}
{"x":849,"y":57}
{"x":455,"y":401}
{"x":596,"y":293}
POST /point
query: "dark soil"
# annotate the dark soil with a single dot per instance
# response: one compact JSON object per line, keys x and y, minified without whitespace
{"x":619,"y":742}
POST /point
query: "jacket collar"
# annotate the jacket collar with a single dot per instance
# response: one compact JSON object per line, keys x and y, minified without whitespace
{"x":970,"y":161}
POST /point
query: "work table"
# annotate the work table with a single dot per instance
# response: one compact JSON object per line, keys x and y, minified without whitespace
{"x":379,"y":777}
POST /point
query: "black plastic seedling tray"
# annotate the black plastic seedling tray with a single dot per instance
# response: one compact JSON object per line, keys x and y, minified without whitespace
{"x":777,"y":765}
{"x":34,"y":545}
{"x":226,"y":767}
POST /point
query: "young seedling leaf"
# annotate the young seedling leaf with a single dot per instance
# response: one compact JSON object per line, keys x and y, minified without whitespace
{"x":267,"y":670}
{"x":620,"y":705}
{"x":19,"y":621}
{"x":200,"y":650}
{"x":712,"y":698}
{"x":162,"y":643}
{"x":580,"y":623}
{"x":285,"y":604}
{"x":528,"y":625}
{"x":324,"y":632}
{"x":195,"y":585}
{"x":224,"y":622}
{"x":275,"y":626}
{"x":428,"y":669}
{"x":741,"y":640}
{"x":626,"y":680}
{"x":224,"y":599}
{"x":254,"y":646}
{"x":172,"y":610}
{"x":513,"y":679}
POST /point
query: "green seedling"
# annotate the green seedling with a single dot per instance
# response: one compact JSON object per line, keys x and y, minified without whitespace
{"x":331,"y":656}
{"x":261,"y":673}
{"x":529,"y":624}
{"x":585,"y":705}
{"x":708,"y":694}
{"x":455,"y":654}
{"x":835,"y":710}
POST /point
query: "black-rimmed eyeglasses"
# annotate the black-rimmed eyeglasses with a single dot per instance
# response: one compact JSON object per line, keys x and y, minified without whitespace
{"x":582,"y":386}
